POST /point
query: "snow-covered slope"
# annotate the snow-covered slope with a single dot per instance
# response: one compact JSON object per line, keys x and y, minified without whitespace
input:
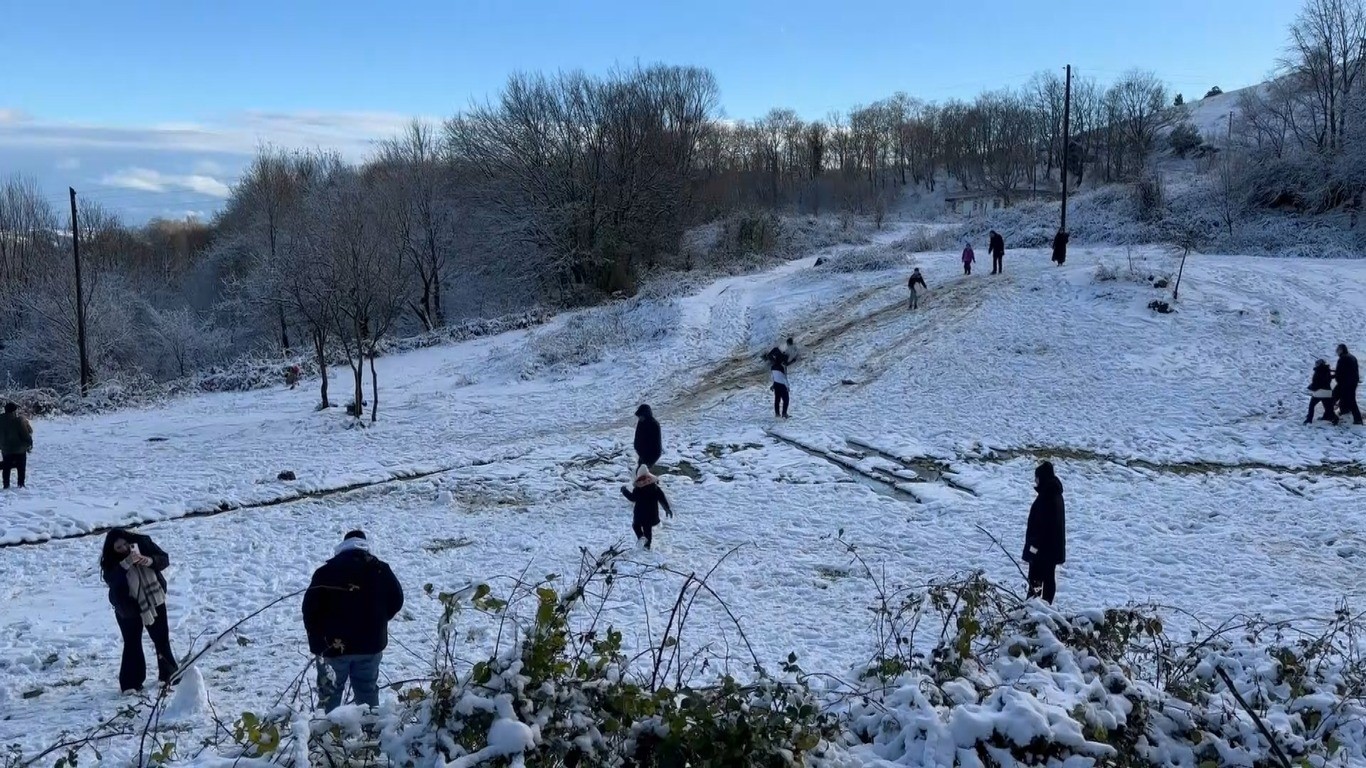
{"x":1190,"y":480}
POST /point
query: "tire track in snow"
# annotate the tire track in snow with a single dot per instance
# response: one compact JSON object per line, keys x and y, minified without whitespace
{"x":227,"y":506}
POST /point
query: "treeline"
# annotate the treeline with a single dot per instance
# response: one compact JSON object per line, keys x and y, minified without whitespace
{"x":558,"y":192}
{"x":1301,"y":138}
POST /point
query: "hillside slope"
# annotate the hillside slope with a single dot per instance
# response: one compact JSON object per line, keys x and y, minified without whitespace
{"x":1190,"y":480}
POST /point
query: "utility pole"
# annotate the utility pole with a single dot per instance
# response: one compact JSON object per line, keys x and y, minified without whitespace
{"x":1230,"y":129}
{"x":1060,"y":242}
{"x":80,"y":296}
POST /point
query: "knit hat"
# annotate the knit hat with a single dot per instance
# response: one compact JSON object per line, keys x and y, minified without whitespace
{"x":356,"y":534}
{"x":642,"y":471}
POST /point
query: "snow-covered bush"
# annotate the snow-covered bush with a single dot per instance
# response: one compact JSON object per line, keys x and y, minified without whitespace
{"x":1006,"y":682}
{"x":872,"y":258}
{"x":587,"y":336}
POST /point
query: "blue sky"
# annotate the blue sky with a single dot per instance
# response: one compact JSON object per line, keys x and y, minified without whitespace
{"x":228,"y":75}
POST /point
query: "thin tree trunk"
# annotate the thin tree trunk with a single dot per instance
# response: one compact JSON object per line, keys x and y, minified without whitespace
{"x":374,"y":389}
{"x":284,"y":329}
{"x":319,"y":346}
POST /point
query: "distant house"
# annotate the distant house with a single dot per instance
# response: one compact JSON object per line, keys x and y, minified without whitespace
{"x":967,"y":202}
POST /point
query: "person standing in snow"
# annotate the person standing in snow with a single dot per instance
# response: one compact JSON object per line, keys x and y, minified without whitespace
{"x":132,"y":566}
{"x":1320,"y":391}
{"x":996,"y":246}
{"x":1348,"y":377}
{"x":648,"y":497}
{"x":968,"y":258}
{"x":778,"y":361}
{"x":1060,"y":247}
{"x":916,"y":279}
{"x":1046,"y":534}
{"x":649,"y":442}
{"x":347,"y":611}
{"x":16,"y":440}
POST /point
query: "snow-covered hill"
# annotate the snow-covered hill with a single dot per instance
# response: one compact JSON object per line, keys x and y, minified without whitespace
{"x":1191,"y":481}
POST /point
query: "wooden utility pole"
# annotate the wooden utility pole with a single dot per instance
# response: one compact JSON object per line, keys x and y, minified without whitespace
{"x":80,"y":296}
{"x":1066,"y":142}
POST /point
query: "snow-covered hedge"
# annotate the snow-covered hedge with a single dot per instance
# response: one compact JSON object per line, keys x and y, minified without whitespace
{"x":588,"y":336}
{"x":963,"y":673}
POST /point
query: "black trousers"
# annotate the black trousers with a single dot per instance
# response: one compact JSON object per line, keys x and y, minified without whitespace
{"x":996,"y":266}
{"x":1328,"y":413}
{"x":1347,"y":403}
{"x":646,"y":532}
{"x":781,"y":398}
{"x":133,"y":670}
{"x":1043,"y":580}
{"x":967,"y":267}
{"x":17,"y":462}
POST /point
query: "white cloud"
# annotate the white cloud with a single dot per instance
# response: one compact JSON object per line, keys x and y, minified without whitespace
{"x":68,"y":163}
{"x":353,"y":134}
{"x":149,"y":180}
{"x":209,"y":168}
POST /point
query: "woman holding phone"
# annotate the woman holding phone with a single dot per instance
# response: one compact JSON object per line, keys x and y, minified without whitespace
{"x":132,"y":566}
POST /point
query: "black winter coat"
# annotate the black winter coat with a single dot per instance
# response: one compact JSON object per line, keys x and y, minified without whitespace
{"x":117,"y":578}
{"x":349,"y":604}
{"x":648,"y":499}
{"x":16,"y":434}
{"x":778,"y":359}
{"x":1349,"y":374}
{"x":917,"y":279}
{"x":1060,"y":247}
{"x":1046,"y":533}
{"x":997,"y":246}
{"x":1322,"y":379}
{"x":649,"y":440}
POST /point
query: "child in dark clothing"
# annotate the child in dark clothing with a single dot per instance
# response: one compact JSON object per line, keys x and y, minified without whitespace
{"x":1321,"y":391}
{"x":648,"y":498}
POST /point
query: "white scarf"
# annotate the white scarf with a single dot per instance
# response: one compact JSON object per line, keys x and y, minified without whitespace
{"x":779,"y":377}
{"x":146,"y":590}
{"x":348,"y":545}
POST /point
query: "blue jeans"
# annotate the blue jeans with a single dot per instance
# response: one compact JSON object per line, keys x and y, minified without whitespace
{"x":361,"y":670}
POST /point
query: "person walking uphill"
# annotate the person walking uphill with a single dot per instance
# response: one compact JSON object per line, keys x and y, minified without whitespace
{"x":16,"y":440}
{"x":996,"y":246}
{"x":1348,"y":378}
{"x":648,"y":497}
{"x":132,"y":566}
{"x":1046,"y":534}
{"x":347,"y":611}
{"x":1320,"y":391}
{"x":968,"y":258}
{"x":916,"y":279}
{"x":649,"y":442}
{"x":778,"y":361}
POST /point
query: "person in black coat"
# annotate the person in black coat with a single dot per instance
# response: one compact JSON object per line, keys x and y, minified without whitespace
{"x":1348,"y":377}
{"x":917,"y":279}
{"x":648,"y":497}
{"x":778,"y":359}
{"x":649,"y":442}
{"x":996,"y":246}
{"x":1060,"y":247}
{"x":1046,"y":534}
{"x":347,"y":611}
{"x":1320,"y":391}
{"x":132,"y":565}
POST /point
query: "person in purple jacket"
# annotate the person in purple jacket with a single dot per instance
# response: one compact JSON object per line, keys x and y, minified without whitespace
{"x":968,"y":258}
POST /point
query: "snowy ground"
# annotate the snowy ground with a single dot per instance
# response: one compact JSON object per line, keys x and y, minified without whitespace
{"x":1190,"y":480}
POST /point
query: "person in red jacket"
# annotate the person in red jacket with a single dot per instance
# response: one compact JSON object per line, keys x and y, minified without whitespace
{"x":968,"y":258}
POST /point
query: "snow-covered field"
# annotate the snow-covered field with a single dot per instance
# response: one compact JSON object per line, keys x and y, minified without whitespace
{"x":1190,"y":479}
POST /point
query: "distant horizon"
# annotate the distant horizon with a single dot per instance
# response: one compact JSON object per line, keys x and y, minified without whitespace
{"x":157,"y":109}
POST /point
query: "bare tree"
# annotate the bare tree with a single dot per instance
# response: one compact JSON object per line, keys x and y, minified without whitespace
{"x":414,"y":167}
{"x":1141,"y":107}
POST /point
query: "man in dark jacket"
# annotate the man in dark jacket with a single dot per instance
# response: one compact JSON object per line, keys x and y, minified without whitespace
{"x":1046,"y":534}
{"x":16,"y":440}
{"x":996,"y":245}
{"x":347,"y":611}
{"x":1060,"y":247}
{"x":1348,"y":377}
{"x":649,"y":442}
